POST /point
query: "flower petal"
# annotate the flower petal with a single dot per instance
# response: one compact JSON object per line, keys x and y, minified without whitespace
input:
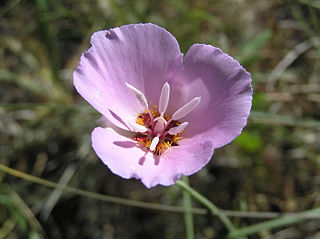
{"x":139,"y":54}
{"x":225,"y":90}
{"x":124,"y":158}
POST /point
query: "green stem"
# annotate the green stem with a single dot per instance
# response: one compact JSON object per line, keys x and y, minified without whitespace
{"x":102,"y":197}
{"x":188,"y":217}
{"x":275,"y":223}
{"x":204,"y":201}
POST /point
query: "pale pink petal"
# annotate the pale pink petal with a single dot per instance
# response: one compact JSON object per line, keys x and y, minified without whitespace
{"x":175,"y":66}
{"x":139,"y":54}
{"x":124,"y":158}
{"x":225,"y":90}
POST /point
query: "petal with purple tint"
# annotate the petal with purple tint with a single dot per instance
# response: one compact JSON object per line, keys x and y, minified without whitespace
{"x":138,"y":54}
{"x":124,"y":158}
{"x":225,"y":90}
{"x":175,"y":66}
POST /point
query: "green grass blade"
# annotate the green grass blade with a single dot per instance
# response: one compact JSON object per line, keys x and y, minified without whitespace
{"x":275,"y":223}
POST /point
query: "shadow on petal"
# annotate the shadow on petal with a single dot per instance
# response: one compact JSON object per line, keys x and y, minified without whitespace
{"x":116,"y":117}
{"x":156,"y":159}
{"x":142,"y":160}
{"x":125,"y":144}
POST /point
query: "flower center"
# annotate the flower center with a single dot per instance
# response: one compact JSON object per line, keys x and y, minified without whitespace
{"x":156,"y":130}
{"x":156,"y":138}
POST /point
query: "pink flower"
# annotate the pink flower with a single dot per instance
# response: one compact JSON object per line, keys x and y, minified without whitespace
{"x":164,"y":114}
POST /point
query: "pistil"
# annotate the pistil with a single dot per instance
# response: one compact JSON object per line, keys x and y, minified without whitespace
{"x":159,"y":126}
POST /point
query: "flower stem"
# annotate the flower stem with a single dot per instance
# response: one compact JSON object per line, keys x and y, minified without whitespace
{"x":188,"y":217}
{"x":204,"y":201}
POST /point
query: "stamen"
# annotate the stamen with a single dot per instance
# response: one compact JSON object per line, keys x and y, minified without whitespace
{"x":154,"y":143}
{"x":186,"y":109}
{"x":164,"y":98}
{"x":137,"y":127}
{"x":178,"y":129}
{"x":140,"y":96}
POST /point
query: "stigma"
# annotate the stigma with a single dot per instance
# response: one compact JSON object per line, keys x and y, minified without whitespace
{"x":154,"y":129}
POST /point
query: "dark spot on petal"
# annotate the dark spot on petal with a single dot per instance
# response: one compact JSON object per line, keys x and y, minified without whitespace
{"x":111,"y":34}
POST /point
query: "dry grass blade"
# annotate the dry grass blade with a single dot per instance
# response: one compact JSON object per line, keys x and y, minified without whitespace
{"x":287,"y":61}
{"x":57,"y":192}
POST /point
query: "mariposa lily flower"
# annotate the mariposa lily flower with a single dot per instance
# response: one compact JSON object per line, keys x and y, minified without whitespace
{"x":163,"y":114}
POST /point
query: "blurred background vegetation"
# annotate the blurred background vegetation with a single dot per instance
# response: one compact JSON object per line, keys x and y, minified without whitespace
{"x":45,"y":125}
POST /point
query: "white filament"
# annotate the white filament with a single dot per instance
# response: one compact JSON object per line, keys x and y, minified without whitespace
{"x":154,"y":143}
{"x":137,"y":127}
{"x":186,"y":109}
{"x":140,"y":96}
{"x":178,"y":129}
{"x":164,"y":98}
